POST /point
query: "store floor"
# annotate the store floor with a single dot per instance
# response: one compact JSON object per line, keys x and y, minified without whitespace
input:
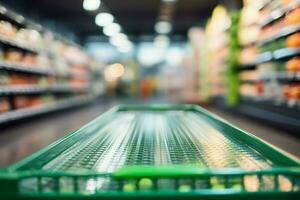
{"x":22,"y":139}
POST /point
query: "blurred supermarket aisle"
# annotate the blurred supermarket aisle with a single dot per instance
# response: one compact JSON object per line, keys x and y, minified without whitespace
{"x":279,"y":138}
{"x":29,"y":136}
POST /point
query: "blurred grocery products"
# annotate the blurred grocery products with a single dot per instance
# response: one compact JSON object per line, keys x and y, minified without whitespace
{"x":39,"y":68}
{"x":217,"y":47}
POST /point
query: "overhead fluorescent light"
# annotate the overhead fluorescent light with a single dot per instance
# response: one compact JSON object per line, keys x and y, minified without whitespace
{"x":161,"y":41}
{"x":169,"y":1}
{"x":111,"y":29}
{"x":104,"y":19}
{"x":119,"y":39}
{"x":163,"y":27}
{"x":125,"y":49}
{"x":91,"y":5}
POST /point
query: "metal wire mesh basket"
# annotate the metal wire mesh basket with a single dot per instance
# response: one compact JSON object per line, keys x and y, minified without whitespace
{"x":155,"y":151}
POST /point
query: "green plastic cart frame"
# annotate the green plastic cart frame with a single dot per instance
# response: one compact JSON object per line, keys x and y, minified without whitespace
{"x":28,"y":180}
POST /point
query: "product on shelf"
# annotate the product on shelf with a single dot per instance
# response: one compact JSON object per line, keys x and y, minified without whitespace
{"x":278,"y":26}
{"x":22,"y":79}
{"x":13,"y":55}
{"x":292,"y":91}
{"x":293,"y":40}
{"x":249,"y":75}
{"x":21,"y":101}
{"x":293,"y":17}
{"x":7,"y":29}
{"x":217,"y":47}
{"x":4,"y":78}
{"x":248,"y":55}
{"x":39,"y":67}
{"x":293,"y":65}
{"x":4,"y":105}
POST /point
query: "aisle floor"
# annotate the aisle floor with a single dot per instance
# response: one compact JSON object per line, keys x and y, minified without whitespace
{"x":21,"y":140}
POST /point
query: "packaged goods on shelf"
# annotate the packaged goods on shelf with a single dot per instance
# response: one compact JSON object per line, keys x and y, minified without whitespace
{"x":248,"y":55}
{"x":250,"y":90}
{"x":217,"y":47}
{"x":248,"y":27}
{"x":292,"y":91}
{"x":293,"y":65}
{"x":249,"y":76}
{"x":4,"y":105}
{"x":293,"y":40}
{"x":4,"y":78}
{"x":282,"y":31}
{"x":40,"y":67}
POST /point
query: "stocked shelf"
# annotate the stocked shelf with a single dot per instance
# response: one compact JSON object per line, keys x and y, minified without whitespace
{"x":247,"y":66}
{"x":279,"y":12}
{"x":285,"y":31}
{"x":13,"y":43}
{"x":39,"y":66}
{"x":33,"y":89}
{"x":278,"y":54}
{"x":286,"y":53}
{"x":281,"y":76}
{"x":282,"y":114}
{"x":278,"y":76}
{"x":14,"y":66}
{"x":33,"y":111}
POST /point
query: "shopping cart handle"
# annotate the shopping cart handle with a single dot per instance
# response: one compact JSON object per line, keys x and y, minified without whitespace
{"x":140,"y":171}
{"x":177,"y":171}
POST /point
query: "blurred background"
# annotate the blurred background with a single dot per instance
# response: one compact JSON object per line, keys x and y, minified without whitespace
{"x":62,"y":63}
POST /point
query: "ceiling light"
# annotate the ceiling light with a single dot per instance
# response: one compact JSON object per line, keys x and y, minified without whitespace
{"x":104,"y":19}
{"x":91,"y":5}
{"x":125,"y":49}
{"x":118,"y":39}
{"x":112,"y":29}
{"x":162,"y":41}
{"x":3,"y":10}
{"x":169,"y":1}
{"x":163,"y":27}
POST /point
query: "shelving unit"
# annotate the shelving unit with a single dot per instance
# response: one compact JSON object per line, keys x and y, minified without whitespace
{"x":19,"y":67}
{"x":39,"y":76}
{"x":17,"y":44}
{"x":283,"y":115}
{"x":12,"y":116}
{"x":278,"y":54}
{"x":279,"y":12}
{"x":269,"y":64}
{"x":33,"y":89}
{"x":285,"y":31}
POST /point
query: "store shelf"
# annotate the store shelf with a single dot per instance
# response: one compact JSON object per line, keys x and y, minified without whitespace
{"x":285,"y":53}
{"x":247,"y":66}
{"x":33,"y":111}
{"x":264,"y":57}
{"x":278,"y":54}
{"x":284,"y":115}
{"x":19,"y":67}
{"x":33,"y":89}
{"x":288,"y":30}
{"x":285,"y":104}
{"x":281,"y":76}
{"x":17,"y":19}
{"x":279,"y":13}
{"x":250,"y":81}
{"x":17,"y":44}
{"x":264,"y":4}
